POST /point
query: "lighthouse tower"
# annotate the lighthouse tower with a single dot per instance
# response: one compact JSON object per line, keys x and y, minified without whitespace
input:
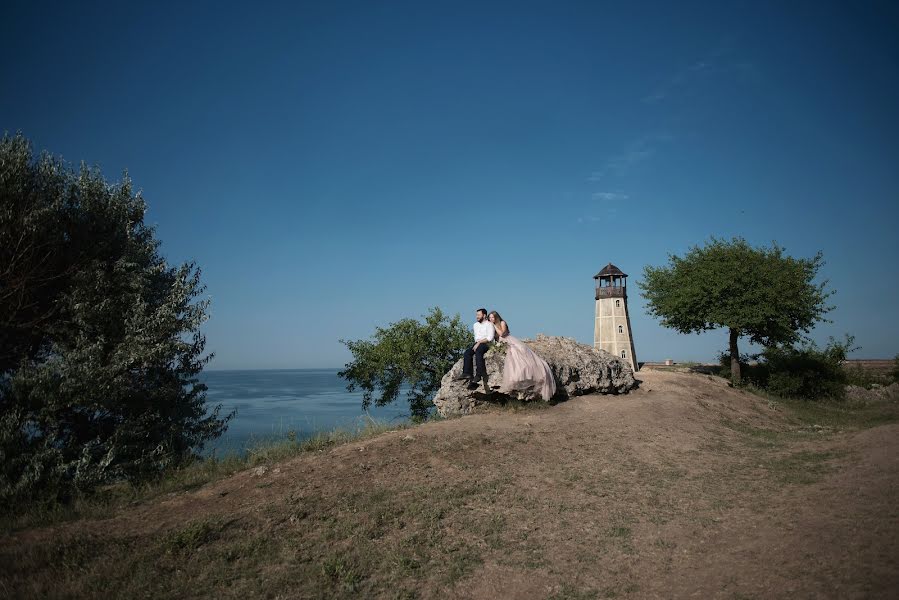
{"x":612,"y":331}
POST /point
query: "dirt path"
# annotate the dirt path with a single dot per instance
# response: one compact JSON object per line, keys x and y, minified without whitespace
{"x":684,"y":488}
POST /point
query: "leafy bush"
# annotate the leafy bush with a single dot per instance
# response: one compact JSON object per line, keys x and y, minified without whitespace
{"x":100,"y":345}
{"x":807,"y":372}
{"x":407,"y":352}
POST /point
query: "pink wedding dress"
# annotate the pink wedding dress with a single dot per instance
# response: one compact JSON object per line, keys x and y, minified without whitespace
{"x":524,"y":369}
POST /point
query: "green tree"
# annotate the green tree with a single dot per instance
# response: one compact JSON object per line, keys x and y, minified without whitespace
{"x":100,"y":343}
{"x":756,"y":292}
{"x":409,"y":352}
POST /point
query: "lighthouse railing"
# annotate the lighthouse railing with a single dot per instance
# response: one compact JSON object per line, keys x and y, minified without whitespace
{"x":611,"y":292}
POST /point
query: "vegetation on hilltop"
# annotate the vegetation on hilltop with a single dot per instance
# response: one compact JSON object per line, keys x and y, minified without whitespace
{"x":410,"y":352}
{"x":757,"y":292}
{"x":100,"y":342}
{"x":611,"y":498}
{"x":803,"y":373}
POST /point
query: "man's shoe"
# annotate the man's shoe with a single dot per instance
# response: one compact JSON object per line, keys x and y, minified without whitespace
{"x":462,"y":377}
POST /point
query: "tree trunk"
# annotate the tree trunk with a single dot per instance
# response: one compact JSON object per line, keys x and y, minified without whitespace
{"x":734,"y":357}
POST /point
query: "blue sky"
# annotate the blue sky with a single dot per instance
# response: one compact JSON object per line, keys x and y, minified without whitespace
{"x":333,"y":167}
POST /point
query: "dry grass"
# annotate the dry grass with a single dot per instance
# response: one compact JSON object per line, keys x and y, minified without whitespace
{"x":598,"y":497}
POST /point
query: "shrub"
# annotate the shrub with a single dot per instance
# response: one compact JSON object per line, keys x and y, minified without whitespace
{"x":100,"y":343}
{"x":806,"y":373}
{"x":409,"y":352}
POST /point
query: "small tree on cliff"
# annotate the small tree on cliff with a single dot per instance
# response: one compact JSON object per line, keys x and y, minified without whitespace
{"x":407,"y":352}
{"x":756,"y":292}
{"x":100,"y":343}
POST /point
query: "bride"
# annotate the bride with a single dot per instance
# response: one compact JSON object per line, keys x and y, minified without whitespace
{"x":523,"y":368}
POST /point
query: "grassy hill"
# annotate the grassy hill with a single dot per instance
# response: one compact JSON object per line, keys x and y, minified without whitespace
{"x":685,"y":487}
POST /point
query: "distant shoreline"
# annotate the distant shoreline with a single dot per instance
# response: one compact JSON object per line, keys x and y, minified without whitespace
{"x":272,"y":370}
{"x":863,"y":362}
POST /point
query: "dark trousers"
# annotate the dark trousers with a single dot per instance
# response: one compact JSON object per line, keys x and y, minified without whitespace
{"x":479,"y":360}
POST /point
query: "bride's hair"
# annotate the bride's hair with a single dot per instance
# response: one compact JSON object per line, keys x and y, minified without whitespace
{"x":496,"y":318}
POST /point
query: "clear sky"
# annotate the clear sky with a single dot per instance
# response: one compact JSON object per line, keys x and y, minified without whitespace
{"x":336,"y":166}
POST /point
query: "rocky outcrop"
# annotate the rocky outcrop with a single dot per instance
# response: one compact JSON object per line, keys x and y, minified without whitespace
{"x":579,"y":369}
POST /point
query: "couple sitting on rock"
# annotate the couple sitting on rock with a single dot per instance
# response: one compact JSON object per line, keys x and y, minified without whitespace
{"x":522,"y":369}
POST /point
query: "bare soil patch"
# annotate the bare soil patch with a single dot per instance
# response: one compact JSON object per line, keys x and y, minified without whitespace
{"x":683,"y":488}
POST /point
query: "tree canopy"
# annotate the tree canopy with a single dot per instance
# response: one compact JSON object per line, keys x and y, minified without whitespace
{"x":417,"y":354}
{"x":100,"y":342}
{"x":759,"y":292}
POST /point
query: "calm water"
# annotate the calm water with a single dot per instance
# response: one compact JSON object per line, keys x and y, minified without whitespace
{"x":271,"y":403}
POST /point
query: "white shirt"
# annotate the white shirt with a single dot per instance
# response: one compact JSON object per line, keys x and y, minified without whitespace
{"x":484,"y":331}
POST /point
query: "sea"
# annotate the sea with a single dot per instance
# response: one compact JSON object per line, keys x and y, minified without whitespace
{"x":269,"y":404}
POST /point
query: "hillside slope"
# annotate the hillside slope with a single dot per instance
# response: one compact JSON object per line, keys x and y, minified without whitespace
{"x":683,"y":488}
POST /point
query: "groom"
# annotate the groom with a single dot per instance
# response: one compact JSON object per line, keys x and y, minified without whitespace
{"x":483,"y":335}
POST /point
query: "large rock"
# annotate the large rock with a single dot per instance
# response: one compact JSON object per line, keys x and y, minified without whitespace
{"x":579,"y":369}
